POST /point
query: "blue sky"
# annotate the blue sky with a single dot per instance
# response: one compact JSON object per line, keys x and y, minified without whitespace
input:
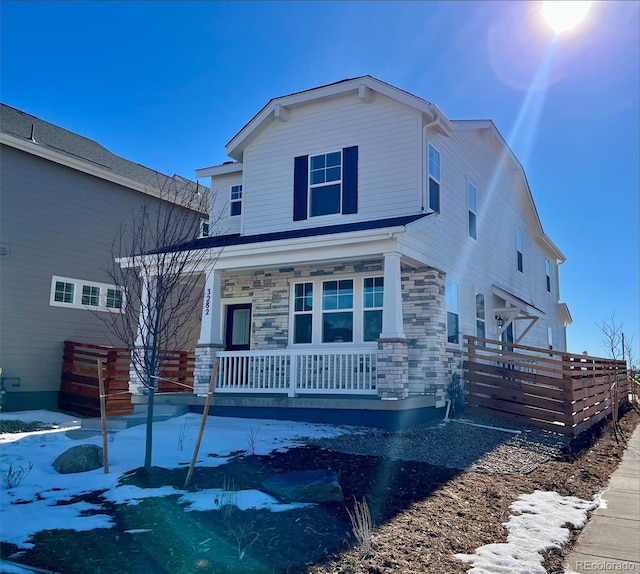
{"x":168,"y":84}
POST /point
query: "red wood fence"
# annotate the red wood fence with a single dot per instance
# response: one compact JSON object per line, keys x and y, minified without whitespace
{"x":553,"y":390}
{"x":79,"y":382}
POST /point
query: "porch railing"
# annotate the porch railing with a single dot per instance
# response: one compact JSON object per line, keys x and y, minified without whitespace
{"x":297,"y":372}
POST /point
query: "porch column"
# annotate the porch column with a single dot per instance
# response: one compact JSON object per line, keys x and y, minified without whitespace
{"x":393,"y":346}
{"x":210,"y":340}
{"x":392,"y":323}
{"x":147,"y":299}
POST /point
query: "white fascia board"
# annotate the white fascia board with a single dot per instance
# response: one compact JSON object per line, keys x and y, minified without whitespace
{"x":340,"y":246}
{"x":78,"y":165}
{"x":550,"y":247}
{"x":225,"y":168}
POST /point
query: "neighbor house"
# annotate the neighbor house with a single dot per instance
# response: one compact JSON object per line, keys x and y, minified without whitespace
{"x":63,"y":199}
{"x":364,"y":234}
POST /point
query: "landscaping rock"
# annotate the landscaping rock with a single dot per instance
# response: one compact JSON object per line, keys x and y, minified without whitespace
{"x":81,"y":458}
{"x":305,"y":486}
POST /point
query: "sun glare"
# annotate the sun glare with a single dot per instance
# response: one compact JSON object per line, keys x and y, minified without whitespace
{"x":563,"y":15}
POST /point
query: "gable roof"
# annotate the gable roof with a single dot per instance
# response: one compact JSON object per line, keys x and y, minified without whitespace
{"x":362,"y":86}
{"x":33,"y":135}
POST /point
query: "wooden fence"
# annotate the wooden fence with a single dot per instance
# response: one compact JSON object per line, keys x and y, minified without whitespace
{"x":553,"y":390}
{"x":79,"y":382}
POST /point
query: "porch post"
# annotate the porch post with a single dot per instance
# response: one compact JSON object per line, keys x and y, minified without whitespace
{"x":147,"y":298}
{"x":393,"y":346}
{"x":392,"y":323}
{"x":210,"y":340}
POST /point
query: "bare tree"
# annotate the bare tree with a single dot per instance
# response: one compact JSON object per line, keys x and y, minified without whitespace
{"x":612,"y":336}
{"x":155,"y":265}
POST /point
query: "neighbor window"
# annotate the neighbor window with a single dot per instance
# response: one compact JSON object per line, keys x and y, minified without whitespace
{"x":471,"y":207}
{"x":90,"y":295}
{"x":302,"y":312}
{"x":519,"y":251}
{"x":64,"y":292}
{"x":481,"y":326}
{"x":453,"y":312}
{"x":550,"y":337}
{"x":114,"y":299}
{"x":372,"y":308}
{"x":337,"y":311}
{"x":236,"y":200}
{"x":434,"y":179}
{"x":547,"y":265}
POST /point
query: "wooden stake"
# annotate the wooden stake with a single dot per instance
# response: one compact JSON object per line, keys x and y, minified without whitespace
{"x":203,"y":422}
{"x":103,"y":417}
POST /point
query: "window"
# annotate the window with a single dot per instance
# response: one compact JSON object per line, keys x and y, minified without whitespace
{"x":337,"y":311}
{"x":519,"y":251}
{"x":550,"y":337}
{"x":235,"y":207}
{"x":372,"y":308}
{"x":434,"y":179}
{"x":453,"y":313}
{"x":64,"y":292}
{"x":114,"y":299}
{"x":90,"y":295}
{"x":302,"y":312}
{"x":481,"y":326}
{"x":547,"y":265}
{"x":325,"y":184}
{"x":471,"y":205}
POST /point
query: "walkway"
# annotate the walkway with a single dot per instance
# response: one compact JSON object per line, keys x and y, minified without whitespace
{"x":610,"y":541}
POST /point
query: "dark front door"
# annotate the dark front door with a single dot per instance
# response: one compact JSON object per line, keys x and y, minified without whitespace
{"x":238,"y":329}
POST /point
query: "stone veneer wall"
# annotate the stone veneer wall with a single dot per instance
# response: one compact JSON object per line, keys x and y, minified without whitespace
{"x":270,"y":291}
{"x":425,"y":324}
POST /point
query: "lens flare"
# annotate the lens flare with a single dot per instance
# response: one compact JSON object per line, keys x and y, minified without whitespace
{"x":563,"y":15}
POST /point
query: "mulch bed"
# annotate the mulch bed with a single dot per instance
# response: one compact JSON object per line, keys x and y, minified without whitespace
{"x":424,"y":514}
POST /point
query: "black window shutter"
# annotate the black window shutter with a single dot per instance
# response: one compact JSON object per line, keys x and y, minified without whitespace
{"x":300,"y":185}
{"x":350,"y":179}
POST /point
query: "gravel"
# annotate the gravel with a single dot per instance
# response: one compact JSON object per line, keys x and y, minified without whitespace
{"x":480,"y":445}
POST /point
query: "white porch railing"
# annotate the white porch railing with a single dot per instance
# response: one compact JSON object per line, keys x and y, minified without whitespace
{"x":297,"y":372}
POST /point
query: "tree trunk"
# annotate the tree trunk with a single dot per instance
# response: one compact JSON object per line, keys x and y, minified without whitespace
{"x":149,"y":442}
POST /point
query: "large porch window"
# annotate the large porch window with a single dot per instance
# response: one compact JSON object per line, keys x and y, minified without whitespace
{"x":345,"y":310}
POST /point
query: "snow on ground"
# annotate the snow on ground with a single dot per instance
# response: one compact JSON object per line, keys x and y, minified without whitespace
{"x":31,"y":506}
{"x":537,"y":523}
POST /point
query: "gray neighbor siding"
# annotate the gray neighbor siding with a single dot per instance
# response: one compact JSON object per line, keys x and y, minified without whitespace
{"x":54,"y":221}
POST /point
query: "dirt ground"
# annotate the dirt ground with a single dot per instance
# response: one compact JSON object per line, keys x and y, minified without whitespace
{"x":423,"y":514}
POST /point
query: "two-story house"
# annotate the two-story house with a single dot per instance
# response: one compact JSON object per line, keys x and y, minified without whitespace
{"x":364,"y":233}
{"x":63,"y":198}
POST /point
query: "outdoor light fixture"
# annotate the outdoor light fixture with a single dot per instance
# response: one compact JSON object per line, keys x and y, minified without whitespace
{"x":499,"y":321}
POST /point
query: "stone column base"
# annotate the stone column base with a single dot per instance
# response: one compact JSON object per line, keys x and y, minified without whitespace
{"x":205,"y":357}
{"x":393,"y":368}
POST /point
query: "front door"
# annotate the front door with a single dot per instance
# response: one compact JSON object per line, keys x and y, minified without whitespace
{"x":238,"y":329}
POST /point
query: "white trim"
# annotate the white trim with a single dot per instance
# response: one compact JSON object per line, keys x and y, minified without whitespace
{"x":78,"y":284}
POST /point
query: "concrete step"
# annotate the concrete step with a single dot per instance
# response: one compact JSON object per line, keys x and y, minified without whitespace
{"x":161,"y":412}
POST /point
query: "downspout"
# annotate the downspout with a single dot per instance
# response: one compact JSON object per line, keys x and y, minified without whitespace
{"x":425,"y":179}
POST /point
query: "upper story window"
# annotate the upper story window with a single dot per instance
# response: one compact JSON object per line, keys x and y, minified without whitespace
{"x":79,"y":294}
{"x":434,"y":179}
{"x":453,"y":312}
{"x":519,"y":251}
{"x":471,"y":208}
{"x":325,"y":184}
{"x":235,"y":206}
{"x":547,"y":265}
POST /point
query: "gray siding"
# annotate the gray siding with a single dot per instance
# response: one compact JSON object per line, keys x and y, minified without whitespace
{"x":54,"y":221}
